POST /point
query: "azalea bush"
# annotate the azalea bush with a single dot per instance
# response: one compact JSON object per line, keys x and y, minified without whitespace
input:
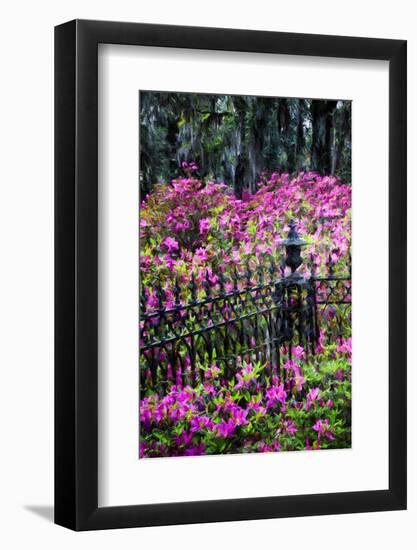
{"x":194,"y":231}
{"x":256,"y":411}
{"x":190,"y":228}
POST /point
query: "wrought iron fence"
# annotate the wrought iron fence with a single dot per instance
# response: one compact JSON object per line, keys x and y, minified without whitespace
{"x":254,"y":315}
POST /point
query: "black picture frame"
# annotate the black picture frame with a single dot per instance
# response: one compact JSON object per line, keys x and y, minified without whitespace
{"x":76,"y":271}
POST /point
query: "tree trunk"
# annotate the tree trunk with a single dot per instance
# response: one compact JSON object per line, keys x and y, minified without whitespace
{"x":322,"y":116}
{"x":300,"y":141}
{"x":343,"y":131}
{"x":240,"y":177}
{"x":283,"y":130}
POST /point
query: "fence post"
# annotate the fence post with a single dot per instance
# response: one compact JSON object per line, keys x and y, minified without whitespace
{"x":293,"y":306}
{"x":293,"y":245}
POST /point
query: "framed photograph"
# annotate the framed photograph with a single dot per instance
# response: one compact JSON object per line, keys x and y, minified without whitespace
{"x":230,"y":252}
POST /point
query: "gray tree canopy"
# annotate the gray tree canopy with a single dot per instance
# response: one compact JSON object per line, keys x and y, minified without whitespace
{"x":236,"y":139}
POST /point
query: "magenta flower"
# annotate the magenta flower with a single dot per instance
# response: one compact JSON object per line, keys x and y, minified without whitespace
{"x":201,"y":423}
{"x":170,"y":262}
{"x":312,"y":396}
{"x":209,"y":389}
{"x":345,"y":346}
{"x":275,"y":394}
{"x":195,"y":450}
{"x":298,"y":352}
{"x":171,"y":244}
{"x":239,"y":416}
{"x":204,"y":226}
{"x":225,"y":429}
{"x":184,"y":439}
{"x":245,"y":376}
{"x":322,"y":428}
{"x":152,"y":300}
{"x":290,"y":365}
{"x":288,"y":427}
{"x":318,"y":426}
{"x":299,"y":381}
{"x":212,"y":372}
{"x":264,"y":448}
{"x":201,"y":254}
{"x":211,"y":276}
{"x":257,"y":407}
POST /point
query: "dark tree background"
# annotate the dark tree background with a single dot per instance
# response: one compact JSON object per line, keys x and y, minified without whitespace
{"x":237,"y":138}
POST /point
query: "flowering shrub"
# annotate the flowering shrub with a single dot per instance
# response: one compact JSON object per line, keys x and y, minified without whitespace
{"x":192,"y":229}
{"x":254,"y":412}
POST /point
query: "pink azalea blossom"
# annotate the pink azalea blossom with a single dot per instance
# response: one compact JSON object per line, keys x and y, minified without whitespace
{"x":298,"y":352}
{"x":322,"y":428}
{"x":204,"y":225}
{"x":201,"y":254}
{"x":171,"y":244}
{"x":275,"y":394}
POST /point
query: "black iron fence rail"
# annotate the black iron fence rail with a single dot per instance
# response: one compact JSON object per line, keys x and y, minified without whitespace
{"x":263,"y":312}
